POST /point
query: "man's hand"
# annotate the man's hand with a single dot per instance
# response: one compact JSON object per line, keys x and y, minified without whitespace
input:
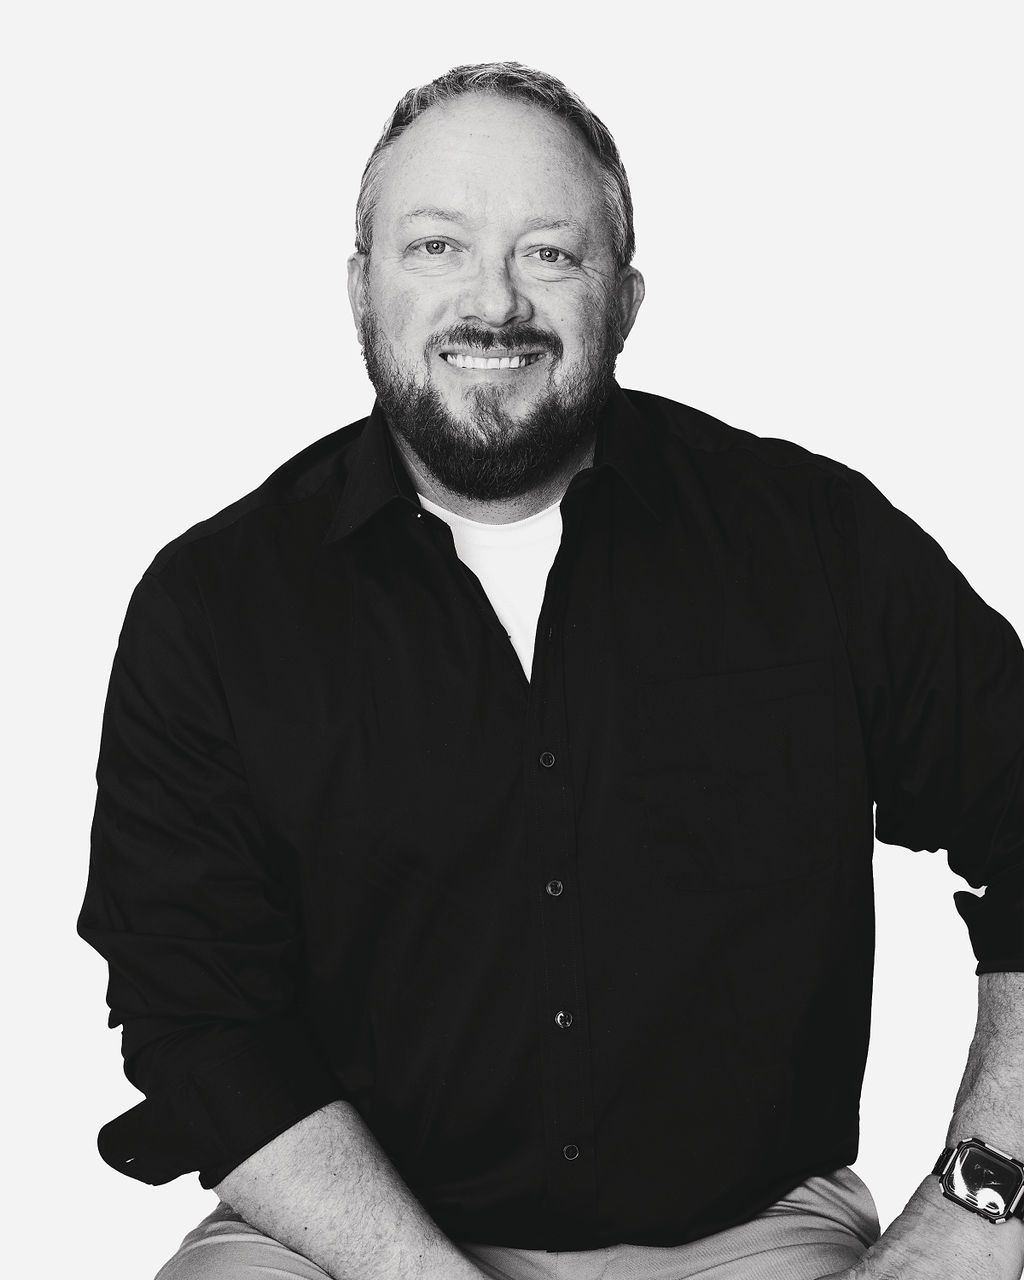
{"x":326,"y":1189}
{"x":935,"y":1239}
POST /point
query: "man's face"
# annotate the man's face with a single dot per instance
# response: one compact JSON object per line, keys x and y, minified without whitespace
{"x":491,"y":242}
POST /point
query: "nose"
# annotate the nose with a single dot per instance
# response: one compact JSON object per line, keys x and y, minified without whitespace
{"x":493,"y":295}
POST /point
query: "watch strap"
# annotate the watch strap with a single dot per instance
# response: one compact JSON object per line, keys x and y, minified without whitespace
{"x":941,"y":1162}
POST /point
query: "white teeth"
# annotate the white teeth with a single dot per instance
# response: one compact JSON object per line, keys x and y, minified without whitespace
{"x":489,"y":362}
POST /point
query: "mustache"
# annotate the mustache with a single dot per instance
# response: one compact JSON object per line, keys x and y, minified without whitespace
{"x":520,"y":335}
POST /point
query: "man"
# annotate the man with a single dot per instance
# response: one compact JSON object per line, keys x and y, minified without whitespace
{"x":483,"y":842}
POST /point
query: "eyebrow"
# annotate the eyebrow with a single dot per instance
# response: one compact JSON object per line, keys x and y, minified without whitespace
{"x":533,"y":224}
{"x":430,"y":211}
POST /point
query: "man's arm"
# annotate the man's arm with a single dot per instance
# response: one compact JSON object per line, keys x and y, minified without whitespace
{"x":933,"y":1237}
{"x":326,"y":1189}
{"x":193,"y":901}
{"x":939,"y":679}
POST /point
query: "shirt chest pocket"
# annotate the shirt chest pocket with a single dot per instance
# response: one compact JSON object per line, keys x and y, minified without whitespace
{"x":738,"y":774}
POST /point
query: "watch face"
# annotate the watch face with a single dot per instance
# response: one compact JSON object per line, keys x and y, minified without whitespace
{"x":984,"y":1180}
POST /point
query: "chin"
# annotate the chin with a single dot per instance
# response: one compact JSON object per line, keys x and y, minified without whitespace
{"x":468,"y":405}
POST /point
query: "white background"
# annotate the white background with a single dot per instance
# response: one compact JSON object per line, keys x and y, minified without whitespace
{"x":828,"y":214}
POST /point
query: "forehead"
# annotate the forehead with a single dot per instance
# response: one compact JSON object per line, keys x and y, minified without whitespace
{"x":494,"y":160}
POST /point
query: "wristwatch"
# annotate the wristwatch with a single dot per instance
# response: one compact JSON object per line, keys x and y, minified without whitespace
{"x":983,"y":1179}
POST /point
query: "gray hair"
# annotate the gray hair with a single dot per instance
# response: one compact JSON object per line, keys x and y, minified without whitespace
{"x":511,"y":80}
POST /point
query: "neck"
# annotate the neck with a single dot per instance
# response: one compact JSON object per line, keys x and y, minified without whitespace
{"x":499,"y":510}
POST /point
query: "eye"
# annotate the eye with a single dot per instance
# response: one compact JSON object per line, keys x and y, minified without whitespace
{"x":554,"y":257}
{"x":435,"y":248}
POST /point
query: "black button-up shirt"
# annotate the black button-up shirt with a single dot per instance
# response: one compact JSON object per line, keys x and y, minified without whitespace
{"x":591,"y":953}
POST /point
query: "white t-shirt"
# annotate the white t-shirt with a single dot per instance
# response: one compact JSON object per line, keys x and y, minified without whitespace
{"x":512,"y":562}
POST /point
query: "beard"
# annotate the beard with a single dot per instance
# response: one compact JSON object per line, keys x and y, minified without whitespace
{"x":492,"y":454}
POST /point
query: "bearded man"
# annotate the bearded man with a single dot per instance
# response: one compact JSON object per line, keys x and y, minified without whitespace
{"x":482,"y":848}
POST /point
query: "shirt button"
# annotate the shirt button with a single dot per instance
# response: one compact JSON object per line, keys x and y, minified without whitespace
{"x":554,"y":887}
{"x":547,"y":759}
{"x":563,"y":1018}
{"x":570,"y":1151}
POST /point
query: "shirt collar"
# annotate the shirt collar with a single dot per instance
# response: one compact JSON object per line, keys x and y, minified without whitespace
{"x":375,"y":474}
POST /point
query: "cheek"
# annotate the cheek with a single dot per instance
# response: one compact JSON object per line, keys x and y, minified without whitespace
{"x":410,"y":317}
{"x":579,"y":303}
{"x":582,"y":328}
{"x":420,"y":307}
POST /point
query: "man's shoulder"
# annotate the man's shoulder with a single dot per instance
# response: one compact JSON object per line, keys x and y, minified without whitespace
{"x":702,"y":433}
{"x":300,"y":490}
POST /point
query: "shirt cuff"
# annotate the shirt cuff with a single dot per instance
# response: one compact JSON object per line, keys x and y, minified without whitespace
{"x":222,"y":1113}
{"x":995,"y":922}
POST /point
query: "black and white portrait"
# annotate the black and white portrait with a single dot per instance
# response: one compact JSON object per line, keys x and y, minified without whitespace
{"x":517,"y":673}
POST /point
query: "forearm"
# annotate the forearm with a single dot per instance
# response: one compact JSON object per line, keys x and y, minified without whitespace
{"x":326,"y":1189}
{"x":933,"y":1236}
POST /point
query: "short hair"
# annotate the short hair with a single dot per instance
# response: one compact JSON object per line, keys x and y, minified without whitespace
{"x":510,"y":80}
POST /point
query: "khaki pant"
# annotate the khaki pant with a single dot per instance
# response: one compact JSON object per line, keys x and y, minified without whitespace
{"x":821,"y":1227}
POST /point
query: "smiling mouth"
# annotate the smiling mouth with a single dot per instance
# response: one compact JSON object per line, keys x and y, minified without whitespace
{"x":460,"y":360}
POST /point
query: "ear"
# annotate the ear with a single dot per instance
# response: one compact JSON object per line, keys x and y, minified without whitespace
{"x":358,"y":265}
{"x":629,"y":293}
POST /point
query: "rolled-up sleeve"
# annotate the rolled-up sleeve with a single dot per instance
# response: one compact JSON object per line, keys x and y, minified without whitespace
{"x":939,"y":676}
{"x":193,"y":906}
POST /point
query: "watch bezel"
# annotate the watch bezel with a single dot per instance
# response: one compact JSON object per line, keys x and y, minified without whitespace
{"x":945,"y":1178}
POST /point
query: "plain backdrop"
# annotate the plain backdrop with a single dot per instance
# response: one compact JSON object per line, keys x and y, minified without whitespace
{"x":828,"y":214}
